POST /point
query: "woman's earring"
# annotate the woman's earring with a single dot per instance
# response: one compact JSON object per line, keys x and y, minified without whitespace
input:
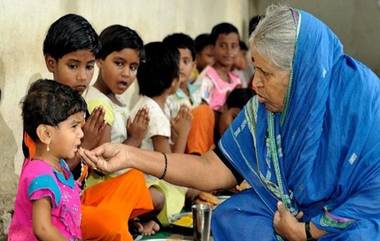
{"x":47,"y":148}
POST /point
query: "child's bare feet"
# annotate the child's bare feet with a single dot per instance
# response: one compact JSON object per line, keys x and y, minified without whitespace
{"x":148,"y":228}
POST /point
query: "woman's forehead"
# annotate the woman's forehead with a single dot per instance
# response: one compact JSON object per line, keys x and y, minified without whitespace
{"x":260,"y":60}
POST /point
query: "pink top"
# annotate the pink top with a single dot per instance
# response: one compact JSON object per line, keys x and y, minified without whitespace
{"x":214,"y":90}
{"x":39,"y":180}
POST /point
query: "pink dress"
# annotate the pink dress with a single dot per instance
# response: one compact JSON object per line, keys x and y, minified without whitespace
{"x":214,"y":90}
{"x":39,"y":180}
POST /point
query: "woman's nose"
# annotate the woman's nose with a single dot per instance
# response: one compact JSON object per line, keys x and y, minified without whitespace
{"x":256,"y":83}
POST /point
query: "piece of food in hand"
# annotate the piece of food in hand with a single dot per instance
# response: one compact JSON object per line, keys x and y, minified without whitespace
{"x":207,"y":198}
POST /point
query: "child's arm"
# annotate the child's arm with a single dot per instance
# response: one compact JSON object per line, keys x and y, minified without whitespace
{"x":42,"y":226}
{"x":181,"y":125}
{"x":137,"y":128}
{"x":161,"y":144}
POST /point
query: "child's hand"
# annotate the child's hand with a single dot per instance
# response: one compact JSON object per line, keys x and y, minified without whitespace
{"x":181,"y":124}
{"x":93,"y":128}
{"x":137,"y":128}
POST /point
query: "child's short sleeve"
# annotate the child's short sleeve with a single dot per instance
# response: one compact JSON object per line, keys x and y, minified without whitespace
{"x":159,"y":124}
{"x":44,"y":186}
{"x":109,"y":116}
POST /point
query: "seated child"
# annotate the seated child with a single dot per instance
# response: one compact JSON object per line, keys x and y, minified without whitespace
{"x":204,"y":51}
{"x":69,"y":49}
{"x":242,"y":67}
{"x":218,"y":80}
{"x":187,"y":93}
{"x":204,"y":55}
{"x":158,"y":77}
{"x":210,"y":125}
{"x":118,"y":61}
{"x":47,"y":205}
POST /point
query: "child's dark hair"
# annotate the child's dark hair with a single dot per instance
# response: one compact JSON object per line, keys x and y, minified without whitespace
{"x":68,"y":34}
{"x":118,"y":37}
{"x":253,"y":23}
{"x":243,"y":46}
{"x":222,"y":28}
{"x":180,"y":41}
{"x":49,"y":102}
{"x":159,"y":70}
{"x":202,"y":41}
{"x":239,"y":97}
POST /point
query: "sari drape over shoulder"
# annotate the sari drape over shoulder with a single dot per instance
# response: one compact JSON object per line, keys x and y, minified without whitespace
{"x":320,"y":156}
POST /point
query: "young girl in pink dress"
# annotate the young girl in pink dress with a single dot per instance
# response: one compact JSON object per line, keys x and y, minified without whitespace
{"x":47,"y":205}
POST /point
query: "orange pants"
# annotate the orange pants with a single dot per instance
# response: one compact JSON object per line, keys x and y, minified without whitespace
{"x":201,"y":135}
{"x":107,"y":207}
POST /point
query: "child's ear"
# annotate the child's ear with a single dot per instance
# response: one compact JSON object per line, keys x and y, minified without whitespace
{"x":174,"y":83}
{"x":99,"y":63}
{"x":51,"y":63}
{"x":44,"y":133}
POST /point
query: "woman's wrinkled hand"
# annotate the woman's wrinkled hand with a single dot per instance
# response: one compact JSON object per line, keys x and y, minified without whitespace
{"x":288,"y":226}
{"x":107,"y":157}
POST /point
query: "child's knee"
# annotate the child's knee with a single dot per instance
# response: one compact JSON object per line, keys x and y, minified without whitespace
{"x":158,"y":198}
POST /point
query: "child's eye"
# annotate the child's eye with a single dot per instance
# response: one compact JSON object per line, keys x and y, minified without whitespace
{"x":90,"y":67}
{"x":119,"y":63}
{"x":133,"y":68}
{"x":73,"y":66}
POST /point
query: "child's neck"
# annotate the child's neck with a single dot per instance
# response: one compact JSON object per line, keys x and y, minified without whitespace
{"x":161,"y":99}
{"x":102,"y":87}
{"x":46,"y":156}
{"x":184,"y":88}
{"x":223,"y":71}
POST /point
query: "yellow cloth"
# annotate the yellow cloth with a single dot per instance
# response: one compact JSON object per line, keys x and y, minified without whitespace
{"x":194,"y":75}
{"x":109,"y":115}
{"x":174,"y":199}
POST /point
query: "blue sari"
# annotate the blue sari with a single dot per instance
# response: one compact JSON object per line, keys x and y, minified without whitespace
{"x":320,"y":156}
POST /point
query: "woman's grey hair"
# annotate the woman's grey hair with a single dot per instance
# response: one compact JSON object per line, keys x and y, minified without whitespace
{"x":275,"y":35}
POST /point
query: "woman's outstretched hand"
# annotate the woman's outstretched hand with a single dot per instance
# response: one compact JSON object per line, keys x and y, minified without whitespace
{"x":107,"y":157}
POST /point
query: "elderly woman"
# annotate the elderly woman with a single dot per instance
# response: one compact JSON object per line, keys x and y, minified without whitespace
{"x":308,"y":144}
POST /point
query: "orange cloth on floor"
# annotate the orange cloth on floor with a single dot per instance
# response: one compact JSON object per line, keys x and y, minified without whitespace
{"x":201,"y":136}
{"x":107,"y":206}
